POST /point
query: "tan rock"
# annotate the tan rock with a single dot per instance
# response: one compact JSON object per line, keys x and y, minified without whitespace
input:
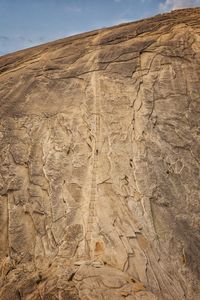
{"x":99,"y":164}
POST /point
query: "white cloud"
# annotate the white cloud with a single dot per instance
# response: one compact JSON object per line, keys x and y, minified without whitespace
{"x":175,"y":4}
{"x":72,"y":9}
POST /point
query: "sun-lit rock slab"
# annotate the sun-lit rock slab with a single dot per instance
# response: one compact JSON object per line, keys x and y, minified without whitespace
{"x":99,"y":165}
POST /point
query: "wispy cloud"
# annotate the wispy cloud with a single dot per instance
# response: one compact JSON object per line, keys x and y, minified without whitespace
{"x":72,"y":9}
{"x":175,"y":4}
{"x":4,"y":38}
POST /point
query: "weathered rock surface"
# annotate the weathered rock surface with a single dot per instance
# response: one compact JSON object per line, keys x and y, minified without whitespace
{"x":100,"y":164}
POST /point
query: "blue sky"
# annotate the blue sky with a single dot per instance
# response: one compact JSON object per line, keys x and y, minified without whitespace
{"x":25,"y":23}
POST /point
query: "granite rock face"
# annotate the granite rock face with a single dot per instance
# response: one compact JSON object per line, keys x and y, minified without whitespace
{"x":100,"y":164}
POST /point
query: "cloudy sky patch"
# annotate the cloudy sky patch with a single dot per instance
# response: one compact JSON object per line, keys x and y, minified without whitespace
{"x":176,"y":4}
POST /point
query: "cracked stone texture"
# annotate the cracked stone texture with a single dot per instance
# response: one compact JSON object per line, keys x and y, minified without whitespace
{"x":100,"y":164}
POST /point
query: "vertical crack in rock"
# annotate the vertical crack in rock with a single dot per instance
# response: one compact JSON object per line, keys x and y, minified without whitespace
{"x":90,"y":231}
